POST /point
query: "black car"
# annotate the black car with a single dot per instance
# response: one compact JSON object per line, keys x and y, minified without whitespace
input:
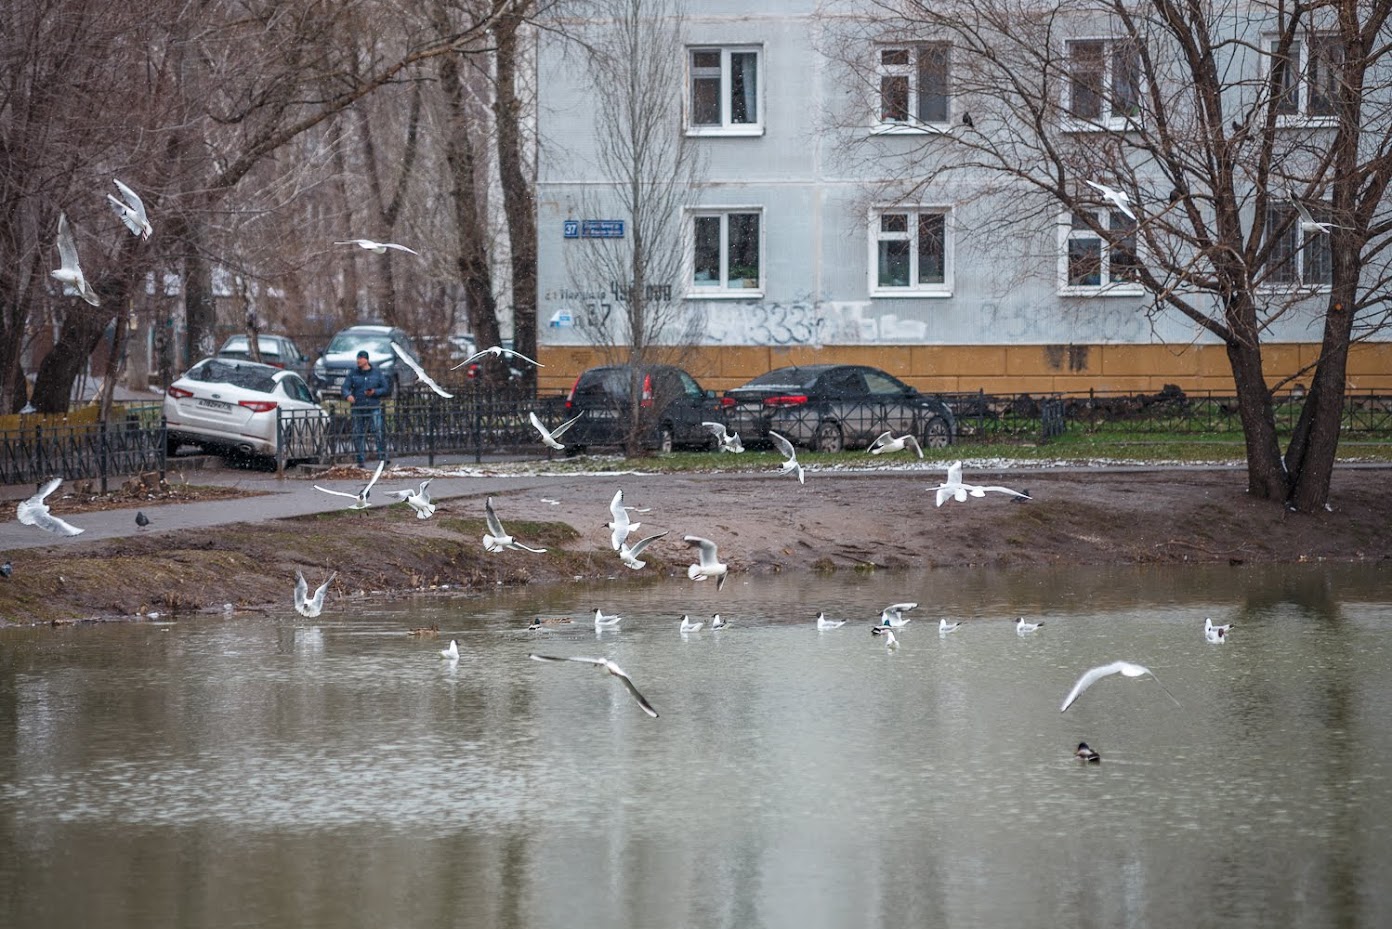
{"x":832,"y":407}
{"x":278,"y":351}
{"x":326,"y":377}
{"x":672,"y":406}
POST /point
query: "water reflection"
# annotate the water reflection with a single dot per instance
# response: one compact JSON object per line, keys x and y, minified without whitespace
{"x":339,"y":773}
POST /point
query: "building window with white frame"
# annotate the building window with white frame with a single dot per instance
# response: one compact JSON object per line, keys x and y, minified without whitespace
{"x":1297,"y":258}
{"x":726,"y":251}
{"x":724,"y":93}
{"x":1104,"y":81}
{"x":911,"y":252}
{"x":914,"y":85}
{"x":1306,"y":75}
{"x":1095,"y":263}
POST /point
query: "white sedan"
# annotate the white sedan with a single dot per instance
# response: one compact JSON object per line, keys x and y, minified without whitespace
{"x":229,"y":404}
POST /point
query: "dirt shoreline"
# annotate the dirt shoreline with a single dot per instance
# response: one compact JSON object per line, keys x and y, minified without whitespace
{"x":763,"y":523}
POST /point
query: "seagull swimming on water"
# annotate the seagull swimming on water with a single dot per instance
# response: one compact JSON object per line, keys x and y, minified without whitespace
{"x":495,"y":539}
{"x":945,"y":627}
{"x":1024,"y":628}
{"x":893,"y":615}
{"x":69,"y":272}
{"x":379,"y":248}
{"x":1216,"y":635}
{"x":497,"y":351}
{"x":1116,"y":667}
{"x":603,"y":620}
{"x":550,"y":437}
{"x":790,"y":466}
{"x":451,"y":653}
{"x":608,"y":667}
{"x":1087,"y":755}
{"x":1117,"y":197}
{"x":1209,"y":627}
{"x":426,"y":379}
{"x":628,"y":554}
{"x":362,"y":495}
{"x":34,"y":512}
{"x":726,"y":441}
{"x":418,"y":499}
{"x":688,"y":626}
{"x":709,"y":564}
{"x":718,"y":623}
{"x":131,"y":210}
{"x":824,"y":624}
{"x":306,"y":605}
{"x":886,"y":442}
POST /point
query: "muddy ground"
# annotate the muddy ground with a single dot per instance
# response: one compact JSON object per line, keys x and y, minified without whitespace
{"x":762,"y":523}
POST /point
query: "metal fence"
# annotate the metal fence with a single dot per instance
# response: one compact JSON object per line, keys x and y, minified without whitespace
{"x":75,"y":452}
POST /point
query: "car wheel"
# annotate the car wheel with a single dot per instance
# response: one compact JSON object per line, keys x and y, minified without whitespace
{"x":665,"y":439}
{"x":936,"y":433}
{"x":829,"y":438}
{"x":171,"y":446}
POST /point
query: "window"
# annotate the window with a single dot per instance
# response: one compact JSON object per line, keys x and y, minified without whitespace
{"x":913,"y":86}
{"x":1306,"y":77}
{"x":1104,"y":81}
{"x":1094,"y":263}
{"x":910,"y":253}
{"x":725,"y":88}
{"x":726,"y":248}
{"x":1297,"y":257}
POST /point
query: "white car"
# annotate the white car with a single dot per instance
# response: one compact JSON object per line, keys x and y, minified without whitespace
{"x":227,"y":404}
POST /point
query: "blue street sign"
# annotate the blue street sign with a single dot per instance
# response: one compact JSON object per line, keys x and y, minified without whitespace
{"x":602,"y":229}
{"x":572,"y":228}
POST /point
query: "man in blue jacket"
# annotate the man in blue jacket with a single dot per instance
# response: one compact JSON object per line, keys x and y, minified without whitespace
{"x":364,"y":390}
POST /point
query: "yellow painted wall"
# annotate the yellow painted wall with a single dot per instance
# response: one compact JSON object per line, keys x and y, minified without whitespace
{"x":1002,"y":369}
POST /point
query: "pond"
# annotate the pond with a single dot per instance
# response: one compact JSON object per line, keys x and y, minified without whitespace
{"x":278,"y":771}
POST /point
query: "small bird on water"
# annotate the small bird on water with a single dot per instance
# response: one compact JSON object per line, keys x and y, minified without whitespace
{"x":1087,"y":755}
{"x":141,"y":519}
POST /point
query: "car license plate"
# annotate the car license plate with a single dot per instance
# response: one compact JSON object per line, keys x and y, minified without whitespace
{"x":220,"y":405}
{"x":602,"y":414}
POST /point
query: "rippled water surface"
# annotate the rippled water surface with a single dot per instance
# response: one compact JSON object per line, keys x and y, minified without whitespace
{"x":277,"y":771}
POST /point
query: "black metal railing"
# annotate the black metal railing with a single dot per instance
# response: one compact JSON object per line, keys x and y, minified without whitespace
{"x":86,"y":451}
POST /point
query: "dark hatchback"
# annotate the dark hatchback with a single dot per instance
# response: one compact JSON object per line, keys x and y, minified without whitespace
{"x":832,"y":407}
{"x":672,"y":406}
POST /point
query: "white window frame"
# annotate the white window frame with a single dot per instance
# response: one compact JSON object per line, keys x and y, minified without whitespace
{"x":1107,"y":287}
{"x":910,"y":235}
{"x":1302,"y":46}
{"x":721,"y":289}
{"x":1301,"y":253}
{"x":725,"y":127}
{"x":910,"y":72}
{"x":1107,"y":120}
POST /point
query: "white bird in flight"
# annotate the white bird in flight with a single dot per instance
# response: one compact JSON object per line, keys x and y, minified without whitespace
{"x":608,"y":667}
{"x":1308,"y":223}
{"x":891,"y":642}
{"x":945,"y":627}
{"x":786,"y":449}
{"x":1116,"y":667}
{"x":886,"y":442}
{"x":893,"y":615}
{"x":69,"y":272}
{"x":603,"y":620}
{"x":955,"y":489}
{"x":131,"y":211}
{"x":34,"y":512}
{"x":1117,"y":197}
{"x":688,"y":626}
{"x":709,"y":564}
{"x":495,"y":539}
{"x":362,"y":495}
{"x":418,"y":499}
{"x":727,"y":441}
{"x":379,"y":248}
{"x":824,"y":624}
{"x":549,"y":437}
{"x":619,"y":523}
{"x":426,"y":379}
{"x":451,"y":653}
{"x":497,"y":351}
{"x":628,"y":554}
{"x":306,"y":605}
{"x":1024,"y":628}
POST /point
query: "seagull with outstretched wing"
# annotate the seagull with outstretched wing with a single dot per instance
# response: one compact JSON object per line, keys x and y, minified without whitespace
{"x":34,"y":512}
{"x":608,"y":667}
{"x":420,"y":372}
{"x":362,"y":495}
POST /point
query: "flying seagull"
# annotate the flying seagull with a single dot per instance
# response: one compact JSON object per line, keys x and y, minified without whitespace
{"x":688,"y":626}
{"x":1117,"y":197}
{"x":887,"y":443}
{"x":497,"y":351}
{"x":727,"y":441}
{"x":709,"y":564}
{"x":608,"y":667}
{"x":618,"y":523}
{"x":1308,"y":223}
{"x":306,"y":605}
{"x":418,"y":499}
{"x":131,"y":211}
{"x":362,"y":495}
{"x":549,"y":437}
{"x":891,"y":642}
{"x":420,"y":372}
{"x":823,"y":624}
{"x":955,"y":489}
{"x":495,"y":539}
{"x":451,"y":653}
{"x":893,"y":615}
{"x":786,"y":448}
{"x":141,"y":519}
{"x":1116,"y":667}
{"x":379,"y":248}
{"x":628,"y":554}
{"x":34,"y":512}
{"x":69,"y":272}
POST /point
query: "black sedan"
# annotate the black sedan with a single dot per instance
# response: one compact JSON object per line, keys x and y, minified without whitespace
{"x":832,"y":407}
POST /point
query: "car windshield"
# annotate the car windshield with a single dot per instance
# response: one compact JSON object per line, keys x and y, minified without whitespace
{"x":240,"y":344}
{"x":248,"y":377}
{"x":785,"y":379}
{"x":354,"y":342}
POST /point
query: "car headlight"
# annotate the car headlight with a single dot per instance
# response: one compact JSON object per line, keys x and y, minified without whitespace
{"x":319,"y":367}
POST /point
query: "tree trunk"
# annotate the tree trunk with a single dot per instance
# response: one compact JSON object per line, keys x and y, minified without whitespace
{"x":519,"y":197}
{"x":115,"y":363}
{"x":81,"y":330}
{"x":1266,"y":477}
{"x":1310,"y":457}
{"x":348,"y":304}
{"x":200,"y":308}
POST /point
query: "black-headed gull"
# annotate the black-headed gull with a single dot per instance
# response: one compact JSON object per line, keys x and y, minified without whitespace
{"x":1024,"y":628}
{"x":886,"y":442}
{"x":418,"y":499}
{"x":688,"y":626}
{"x":726,"y":440}
{"x":1216,"y":635}
{"x":131,"y":210}
{"x":495,"y":539}
{"x":1116,"y":667}
{"x":379,"y":248}
{"x":1208,"y":626}
{"x":945,"y":627}
{"x":1308,"y":223}
{"x":1117,"y":197}
{"x":628,"y":554}
{"x":361,"y":496}
{"x":497,"y":351}
{"x":893,"y":615}
{"x":1086,"y":754}
{"x":451,"y":653}
{"x":426,"y":379}
{"x":550,"y":437}
{"x":709,"y":564}
{"x":619,"y":523}
{"x":891,"y":642}
{"x":306,"y":605}
{"x":718,"y":623}
{"x":824,"y":624}
{"x":608,"y":667}
{"x":785,"y":448}
{"x":34,"y":512}
{"x":603,"y":620}
{"x":69,"y":272}
{"x":954,"y":488}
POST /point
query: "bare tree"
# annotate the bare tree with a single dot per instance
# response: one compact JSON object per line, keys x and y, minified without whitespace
{"x":1218,"y":121}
